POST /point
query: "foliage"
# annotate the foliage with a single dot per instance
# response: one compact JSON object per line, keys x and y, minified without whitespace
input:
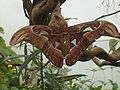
{"x":112,"y":44}
{"x":6,"y":74}
{"x":34,"y":74}
{"x":1,"y":30}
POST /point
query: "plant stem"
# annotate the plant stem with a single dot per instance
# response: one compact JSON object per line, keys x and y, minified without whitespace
{"x":41,"y":71}
{"x":25,"y":53}
{"x":103,"y":75}
{"x":111,"y":73}
{"x":93,"y":76}
{"x":25,"y":50}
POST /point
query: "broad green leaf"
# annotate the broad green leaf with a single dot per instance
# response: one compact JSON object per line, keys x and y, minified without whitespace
{"x":3,"y":47}
{"x":2,"y":42}
{"x":1,"y":30}
{"x":6,"y":50}
{"x":112,"y":44}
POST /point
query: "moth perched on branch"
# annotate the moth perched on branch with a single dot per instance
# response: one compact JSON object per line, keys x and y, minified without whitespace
{"x":66,"y":50}
{"x":57,"y":43}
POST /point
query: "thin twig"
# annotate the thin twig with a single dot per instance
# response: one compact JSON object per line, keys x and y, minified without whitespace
{"x":107,"y":15}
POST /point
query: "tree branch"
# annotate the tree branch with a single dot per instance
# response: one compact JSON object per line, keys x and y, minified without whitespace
{"x":98,"y":53}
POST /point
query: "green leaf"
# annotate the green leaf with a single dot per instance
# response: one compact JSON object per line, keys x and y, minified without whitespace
{"x":25,"y":49}
{"x":98,"y":88}
{"x":3,"y":48}
{"x":14,"y":59}
{"x":111,"y":81}
{"x":4,"y":80}
{"x":14,"y":88}
{"x":2,"y":42}
{"x":114,"y":85}
{"x":29,"y":59}
{"x":91,"y":87}
{"x":6,"y":50}
{"x":36,"y":62}
{"x":1,"y":30}
{"x":54,"y":83}
{"x":85,"y":81}
{"x":11,"y":52}
{"x":4,"y":76}
{"x":112,"y":44}
{"x":69,"y":77}
{"x":102,"y":82}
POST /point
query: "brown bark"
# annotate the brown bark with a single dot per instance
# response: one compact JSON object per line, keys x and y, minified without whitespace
{"x":109,"y":59}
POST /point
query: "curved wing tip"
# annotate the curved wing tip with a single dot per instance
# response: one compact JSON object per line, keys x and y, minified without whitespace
{"x":117,"y":36}
{"x":11,"y":43}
